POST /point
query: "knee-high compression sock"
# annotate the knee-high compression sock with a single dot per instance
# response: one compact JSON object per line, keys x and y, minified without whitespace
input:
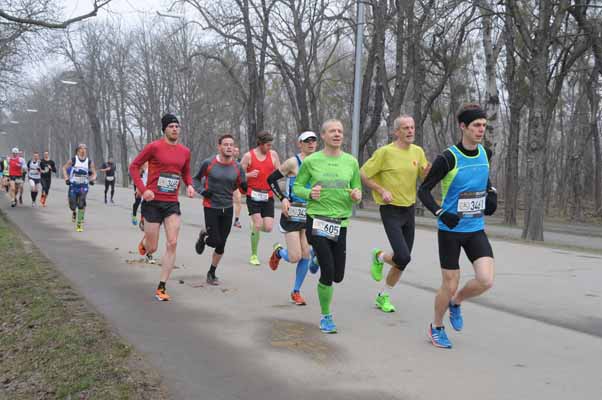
{"x":254,"y":240}
{"x":302,"y":267}
{"x":283,"y":253}
{"x":80,"y":215}
{"x":325,"y":296}
{"x":33,"y":196}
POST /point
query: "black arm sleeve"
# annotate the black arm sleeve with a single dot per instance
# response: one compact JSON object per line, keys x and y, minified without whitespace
{"x":440,"y":168}
{"x":243,"y":185}
{"x":273,"y":182}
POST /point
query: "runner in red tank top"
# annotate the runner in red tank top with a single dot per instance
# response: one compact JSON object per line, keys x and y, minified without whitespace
{"x":259,"y":163}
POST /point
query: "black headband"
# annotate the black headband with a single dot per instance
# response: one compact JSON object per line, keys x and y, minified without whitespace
{"x":467,"y":116}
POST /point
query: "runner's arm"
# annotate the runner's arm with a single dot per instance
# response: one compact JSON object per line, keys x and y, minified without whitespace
{"x":197,"y":181}
{"x":438,"y":171}
{"x":275,"y":159}
{"x":242,"y":179}
{"x":186,"y":172}
{"x":356,"y":182}
{"x":279,"y":173}
{"x":491,"y":199}
{"x":65,"y":167}
{"x":93,"y":170}
{"x":245,"y":163}
{"x":137,"y":163}
{"x":303,"y":178}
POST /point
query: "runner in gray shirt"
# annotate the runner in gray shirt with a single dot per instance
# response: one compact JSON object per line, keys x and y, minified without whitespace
{"x":218,"y":178}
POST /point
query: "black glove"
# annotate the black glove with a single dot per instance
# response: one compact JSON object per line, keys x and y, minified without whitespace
{"x":206,"y":194}
{"x":67,"y":182}
{"x":449,"y":219}
{"x":491,"y":202}
{"x":91,"y":183}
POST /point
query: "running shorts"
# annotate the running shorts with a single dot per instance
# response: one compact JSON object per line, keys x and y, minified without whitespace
{"x":265,"y":208}
{"x":475,"y":245}
{"x":156,"y":211}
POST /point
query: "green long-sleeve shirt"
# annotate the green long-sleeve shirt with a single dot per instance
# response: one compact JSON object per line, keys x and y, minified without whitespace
{"x":337,"y":176}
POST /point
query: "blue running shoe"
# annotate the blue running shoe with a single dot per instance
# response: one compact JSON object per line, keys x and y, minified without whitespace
{"x":327,"y":324}
{"x":313,"y":262}
{"x":439,"y":337}
{"x":455,"y":317}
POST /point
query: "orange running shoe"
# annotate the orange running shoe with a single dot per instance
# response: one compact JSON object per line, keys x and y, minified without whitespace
{"x":161,"y":295}
{"x":275,"y":258}
{"x":141,"y":248}
{"x":297,"y":299}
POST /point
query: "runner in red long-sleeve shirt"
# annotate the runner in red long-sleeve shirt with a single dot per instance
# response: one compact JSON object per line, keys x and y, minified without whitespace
{"x":168,"y":162}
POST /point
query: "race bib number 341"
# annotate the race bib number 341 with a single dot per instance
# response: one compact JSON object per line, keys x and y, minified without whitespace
{"x":329,"y":228}
{"x":471,"y":204}
{"x":168,"y":183}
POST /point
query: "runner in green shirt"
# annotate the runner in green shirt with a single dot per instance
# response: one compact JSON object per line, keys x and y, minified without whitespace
{"x":334,"y":184}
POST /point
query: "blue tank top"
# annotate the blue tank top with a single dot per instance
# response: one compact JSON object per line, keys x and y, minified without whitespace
{"x":464,"y":190}
{"x":290,"y":181}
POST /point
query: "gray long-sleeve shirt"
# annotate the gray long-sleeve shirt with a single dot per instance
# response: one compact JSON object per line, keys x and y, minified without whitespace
{"x":217,"y":180}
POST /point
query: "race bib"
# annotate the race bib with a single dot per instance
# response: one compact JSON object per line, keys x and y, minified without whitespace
{"x":34,"y":174}
{"x":330,"y":228}
{"x":110,"y":178}
{"x":79,"y":180}
{"x":471,"y":204}
{"x":19,"y":181}
{"x":297,"y":212}
{"x":259,"y":195}
{"x":168,"y":183}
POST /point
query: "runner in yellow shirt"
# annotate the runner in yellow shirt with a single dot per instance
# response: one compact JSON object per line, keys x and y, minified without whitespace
{"x":391,"y":173}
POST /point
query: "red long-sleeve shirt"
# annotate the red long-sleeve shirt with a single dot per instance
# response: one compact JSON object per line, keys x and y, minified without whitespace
{"x":167,"y":163}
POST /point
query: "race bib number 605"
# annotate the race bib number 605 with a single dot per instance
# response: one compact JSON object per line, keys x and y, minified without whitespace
{"x":168,"y":183}
{"x":329,"y":228}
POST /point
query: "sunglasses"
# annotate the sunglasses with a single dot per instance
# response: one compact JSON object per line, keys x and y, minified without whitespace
{"x":310,"y":140}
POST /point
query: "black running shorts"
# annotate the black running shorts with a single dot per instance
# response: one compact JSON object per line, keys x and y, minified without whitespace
{"x":156,"y":211}
{"x":265,"y":208}
{"x":475,"y":245}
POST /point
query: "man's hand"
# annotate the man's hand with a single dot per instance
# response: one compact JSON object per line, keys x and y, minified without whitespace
{"x":67,"y":182}
{"x":315,"y":192}
{"x":356,"y":195}
{"x":148,"y":195}
{"x":253,"y":174}
{"x":190,"y":191}
{"x":386,"y":196}
{"x":285,"y":205}
{"x":449,"y":219}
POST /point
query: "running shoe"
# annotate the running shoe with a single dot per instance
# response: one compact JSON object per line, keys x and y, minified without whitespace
{"x":254,"y":260}
{"x":150,"y":259}
{"x":237,"y":224}
{"x":200,"y":243}
{"x":43,"y":200}
{"x":112,"y":202}
{"x":161,"y":295}
{"x":79,"y":228}
{"x":212,"y":279}
{"x":313,"y":263}
{"x":383,"y":302}
{"x":327,"y":324}
{"x":14,"y":204}
{"x":455,"y":317}
{"x":275,"y":258}
{"x":377,"y":266}
{"x":141,"y":248}
{"x":297,"y":299}
{"x":134,"y":220}
{"x":439,"y":337}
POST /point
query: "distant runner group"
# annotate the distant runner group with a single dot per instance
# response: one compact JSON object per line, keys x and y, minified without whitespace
{"x":319,"y":191}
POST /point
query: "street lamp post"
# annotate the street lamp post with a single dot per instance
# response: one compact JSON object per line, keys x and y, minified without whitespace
{"x":357,"y":88}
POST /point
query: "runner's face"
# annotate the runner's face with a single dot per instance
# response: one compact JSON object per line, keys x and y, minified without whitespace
{"x":406,"y":131}
{"x":46,"y":155}
{"x":265,"y":148}
{"x":475,"y":131}
{"x":236,"y":152}
{"x":226,"y":149}
{"x":172,"y":132}
{"x":81,"y":152}
{"x":333,"y":135}
{"x":36,"y":156}
{"x":309,"y":145}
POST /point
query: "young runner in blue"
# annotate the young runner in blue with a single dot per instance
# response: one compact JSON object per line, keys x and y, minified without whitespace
{"x":82,"y":173}
{"x":463,"y":171}
{"x":292,"y":219}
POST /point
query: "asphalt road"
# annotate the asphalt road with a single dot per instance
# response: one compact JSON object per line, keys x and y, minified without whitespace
{"x":535,"y":335}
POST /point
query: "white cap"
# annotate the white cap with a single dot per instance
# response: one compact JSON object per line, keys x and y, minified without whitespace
{"x":15,"y":150}
{"x":306,"y":135}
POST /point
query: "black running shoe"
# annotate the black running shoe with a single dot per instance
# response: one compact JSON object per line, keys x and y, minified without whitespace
{"x":200,"y":243}
{"x":212,"y":279}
